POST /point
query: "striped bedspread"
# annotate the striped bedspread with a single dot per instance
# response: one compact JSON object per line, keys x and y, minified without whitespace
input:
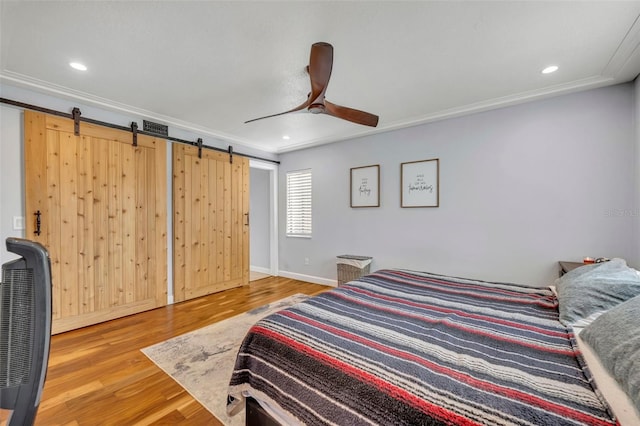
{"x":401,"y":347}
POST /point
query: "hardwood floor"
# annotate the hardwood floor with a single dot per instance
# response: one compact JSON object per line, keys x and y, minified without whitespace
{"x":98,"y":376}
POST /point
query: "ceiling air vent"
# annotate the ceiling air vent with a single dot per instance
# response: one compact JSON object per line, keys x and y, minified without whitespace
{"x":158,"y":129}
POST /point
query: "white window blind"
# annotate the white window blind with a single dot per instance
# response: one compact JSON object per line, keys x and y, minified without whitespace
{"x":299,"y":203}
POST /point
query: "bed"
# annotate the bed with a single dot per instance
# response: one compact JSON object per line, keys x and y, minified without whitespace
{"x":415,"y":348}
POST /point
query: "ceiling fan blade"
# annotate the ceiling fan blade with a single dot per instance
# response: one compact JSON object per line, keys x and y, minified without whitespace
{"x":320,"y":65}
{"x":350,"y":114}
{"x":298,"y":108}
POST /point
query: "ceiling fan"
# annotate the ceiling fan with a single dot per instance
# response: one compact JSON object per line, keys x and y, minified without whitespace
{"x":319,"y":69}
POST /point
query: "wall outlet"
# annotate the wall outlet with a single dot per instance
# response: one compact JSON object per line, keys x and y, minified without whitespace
{"x":18,"y":223}
{"x":306,"y":260}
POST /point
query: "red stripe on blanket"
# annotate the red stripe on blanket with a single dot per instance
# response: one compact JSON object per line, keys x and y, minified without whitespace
{"x":465,"y":378}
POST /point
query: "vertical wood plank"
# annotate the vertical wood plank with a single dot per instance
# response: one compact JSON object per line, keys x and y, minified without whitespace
{"x":53,"y":220}
{"x":100,"y":168}
{"x":188,"y":223}
{"x":128,"y":222}
{"x":69,"y":225}
{"x":36,"y":189}
{"x":194,"y":242}
{"x":212,"y":179}
{"x":228,"y":220}
{"x":198,"y":230}
{"x":158,"y":258}
{"x":236,"y":213}
{"x":155,"y":277}
{"x":203,"y":182}
{"x":85,"y":226}
{"x":220,"y":224}
{"x":142,"y":228}
{"x":115,"y":231}
{"x":179,"y":221}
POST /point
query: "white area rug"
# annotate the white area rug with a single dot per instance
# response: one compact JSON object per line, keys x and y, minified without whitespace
{"x":202,"y":361}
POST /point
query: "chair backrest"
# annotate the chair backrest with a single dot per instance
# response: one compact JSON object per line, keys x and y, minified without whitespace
{"x":25,"y":329}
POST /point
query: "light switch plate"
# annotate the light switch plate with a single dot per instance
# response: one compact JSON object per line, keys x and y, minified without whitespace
{"x":18,"y":223}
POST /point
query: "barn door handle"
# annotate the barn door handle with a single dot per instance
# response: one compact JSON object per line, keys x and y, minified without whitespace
{"x":38,"y":222}
{"x":247,"y":215}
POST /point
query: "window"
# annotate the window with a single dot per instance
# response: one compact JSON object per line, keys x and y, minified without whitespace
{"x":299,"y":203}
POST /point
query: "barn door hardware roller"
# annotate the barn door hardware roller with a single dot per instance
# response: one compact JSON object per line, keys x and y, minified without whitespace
{"x":230,"y":154}
{"x":75,"y":114}
{"x":134,"y":131}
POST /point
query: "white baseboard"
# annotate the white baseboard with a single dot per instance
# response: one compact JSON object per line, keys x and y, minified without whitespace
{"x":260,"y":269}
{"x":308,"y":278}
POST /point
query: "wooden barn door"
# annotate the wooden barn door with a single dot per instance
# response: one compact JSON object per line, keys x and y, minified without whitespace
{"x":210,"y":222}
{"x":103,"y":207}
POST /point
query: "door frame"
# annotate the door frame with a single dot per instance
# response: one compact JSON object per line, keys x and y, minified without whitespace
{"x":273,"y":211}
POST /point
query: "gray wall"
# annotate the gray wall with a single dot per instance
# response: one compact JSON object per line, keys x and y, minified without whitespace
{"x":11,"y":181}
{"x":259,"y":215}
{"x":520,"y":188}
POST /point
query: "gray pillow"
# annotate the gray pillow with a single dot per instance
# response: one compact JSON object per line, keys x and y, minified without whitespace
{"x":586,"y":292}
{"x":615,"y":339}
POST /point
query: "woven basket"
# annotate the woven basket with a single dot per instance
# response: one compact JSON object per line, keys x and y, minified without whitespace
{"x":348,"y":273}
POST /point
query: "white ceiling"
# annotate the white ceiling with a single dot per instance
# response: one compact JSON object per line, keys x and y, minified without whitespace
{"x":209,"y":66}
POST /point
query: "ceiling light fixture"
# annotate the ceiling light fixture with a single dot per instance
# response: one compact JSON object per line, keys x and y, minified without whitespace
{"x":286,"y":137}
{"x":78,"y":66}
{"x":550,"y":69}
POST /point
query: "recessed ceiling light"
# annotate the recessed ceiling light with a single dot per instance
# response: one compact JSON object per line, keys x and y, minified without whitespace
{"x":550,"y":69}
{"x":78,"y":66}
{"x":286,"y":137}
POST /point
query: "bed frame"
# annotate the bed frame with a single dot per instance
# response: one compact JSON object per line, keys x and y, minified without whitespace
{"x":256,"y":415}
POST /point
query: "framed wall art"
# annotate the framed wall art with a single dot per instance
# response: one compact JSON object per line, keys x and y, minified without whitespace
{"x":420,"y":186}
{"x":365,"y":186}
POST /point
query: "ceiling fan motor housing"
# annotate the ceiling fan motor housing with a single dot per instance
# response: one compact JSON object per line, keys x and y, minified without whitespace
{"x":316,"y":108}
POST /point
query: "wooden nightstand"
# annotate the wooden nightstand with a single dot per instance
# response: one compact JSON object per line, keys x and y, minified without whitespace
{"x":568,"y":266}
